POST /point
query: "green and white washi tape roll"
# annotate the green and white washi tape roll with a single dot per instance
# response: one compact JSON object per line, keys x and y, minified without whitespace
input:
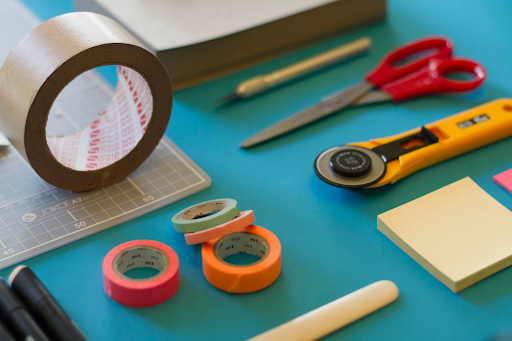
{"x":205,"y":215}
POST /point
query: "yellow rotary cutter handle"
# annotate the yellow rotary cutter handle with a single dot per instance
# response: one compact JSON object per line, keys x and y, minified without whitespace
{"x":387,"y":160}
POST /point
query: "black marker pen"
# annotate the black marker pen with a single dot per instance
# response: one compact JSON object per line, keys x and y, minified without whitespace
{"x":45,"y":309}
{"x":5,"y":334}
{"x":14,"y":313}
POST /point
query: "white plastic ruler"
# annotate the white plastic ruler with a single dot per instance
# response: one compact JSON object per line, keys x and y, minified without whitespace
{"x":36,"y":217}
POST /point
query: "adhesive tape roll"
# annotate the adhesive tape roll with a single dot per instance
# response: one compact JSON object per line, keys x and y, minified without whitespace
{"x":44,"y":62}
{"x":141,"y":292}
{"x":241,"y":221}
{"x":205,"y":215}
{"x":240,"y":279}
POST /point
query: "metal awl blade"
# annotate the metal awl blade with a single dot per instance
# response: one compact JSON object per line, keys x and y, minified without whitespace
{"x":226,"y":99}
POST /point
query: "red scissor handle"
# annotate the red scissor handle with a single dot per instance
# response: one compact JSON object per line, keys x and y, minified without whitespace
{"x":429,"y":80}
{"x":386,"y":71}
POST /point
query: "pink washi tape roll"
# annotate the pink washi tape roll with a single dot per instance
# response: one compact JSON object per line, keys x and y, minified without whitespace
{"x":241,"y":221}
{"x":141,"y":292}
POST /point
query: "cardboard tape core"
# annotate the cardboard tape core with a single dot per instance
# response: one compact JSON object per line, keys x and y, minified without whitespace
{"x":241,"y":242}
{"x":204,"y":210}
{"x":44,"y":62}
{"x":140,"y":257}
{"x":205,"y":215}
{"x":115,"y":134}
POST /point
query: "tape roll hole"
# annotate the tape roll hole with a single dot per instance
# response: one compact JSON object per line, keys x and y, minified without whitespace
{"x":206,"y":210}
{"x":241,"y":248}
{"x":115,"y":129}
{"x":140,"y":263}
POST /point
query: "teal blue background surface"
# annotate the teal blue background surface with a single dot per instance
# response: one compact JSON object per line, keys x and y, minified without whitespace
{"x":331,"y":245}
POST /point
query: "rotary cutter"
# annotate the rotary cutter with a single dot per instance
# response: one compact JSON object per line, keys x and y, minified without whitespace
{"x":379,"y":162}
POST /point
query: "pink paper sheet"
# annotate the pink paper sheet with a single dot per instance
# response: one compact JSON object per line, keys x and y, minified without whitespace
{"x":504,"y":179}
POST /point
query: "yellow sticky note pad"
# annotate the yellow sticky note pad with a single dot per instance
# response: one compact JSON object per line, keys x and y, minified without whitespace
{"x":459,"y":233}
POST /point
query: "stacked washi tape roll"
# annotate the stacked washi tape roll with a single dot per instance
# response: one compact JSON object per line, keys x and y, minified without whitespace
{"x":224,"y":231}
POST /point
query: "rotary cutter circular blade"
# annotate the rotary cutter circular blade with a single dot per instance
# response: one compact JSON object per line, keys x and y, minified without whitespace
{"x":350,"y":166}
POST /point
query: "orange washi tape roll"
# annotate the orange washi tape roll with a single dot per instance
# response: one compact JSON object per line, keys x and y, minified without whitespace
{"x":241,"y":221}
{"x":141,"y":292}
{"x":240,"y":279}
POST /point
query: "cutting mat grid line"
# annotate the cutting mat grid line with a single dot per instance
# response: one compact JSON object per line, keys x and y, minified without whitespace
{"x":35,"y":216}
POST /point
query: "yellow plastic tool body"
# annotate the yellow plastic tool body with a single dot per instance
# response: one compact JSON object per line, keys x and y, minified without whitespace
{"x":453,"y":140}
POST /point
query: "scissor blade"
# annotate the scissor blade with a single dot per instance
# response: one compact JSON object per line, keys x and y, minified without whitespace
{"x":326,"y":107}
{"x":375,"y":96}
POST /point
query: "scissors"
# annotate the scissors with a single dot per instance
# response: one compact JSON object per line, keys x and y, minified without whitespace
{"x":419,"y":77}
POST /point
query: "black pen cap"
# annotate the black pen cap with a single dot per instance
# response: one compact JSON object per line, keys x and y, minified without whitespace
{"x":9,"y":302}
{"x":15,"y":314}
{"x":5,"y":333}
{"x":41,"y":303}
{"x":28,"y":286}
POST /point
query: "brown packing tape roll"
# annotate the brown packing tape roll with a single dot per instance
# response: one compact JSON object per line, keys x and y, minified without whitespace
{"x":50,"y":57}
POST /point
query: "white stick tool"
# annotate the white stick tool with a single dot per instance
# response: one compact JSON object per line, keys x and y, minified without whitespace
{"x":335,"y":315}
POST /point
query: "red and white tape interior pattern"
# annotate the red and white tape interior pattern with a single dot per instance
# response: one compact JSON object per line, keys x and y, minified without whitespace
{"x":115,"y":133}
